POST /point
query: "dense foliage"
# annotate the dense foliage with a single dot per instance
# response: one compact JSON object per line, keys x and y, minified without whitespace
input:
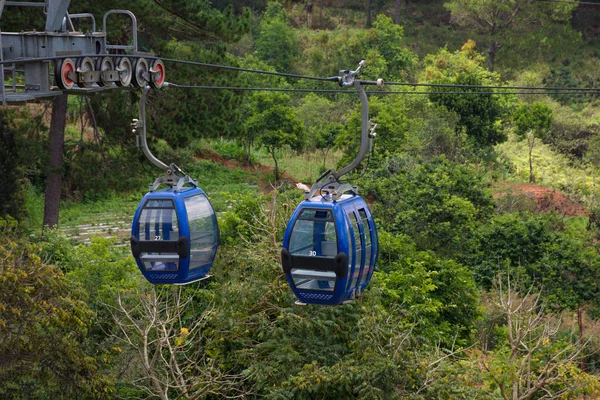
{"x":476,"y":293}
{"x":44,"y":323}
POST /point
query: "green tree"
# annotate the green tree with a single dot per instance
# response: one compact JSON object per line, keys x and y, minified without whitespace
{"x":502,"y":21}
{"x":381,"y":47}
{"x":480,"y":114}
{"x":546,"y":254}
{"x":258,"y":102}
{"x":321,"y":120}
{"x":438,"y":296}
{"x":532,"y":121}
{"x":275,"y":125}
{"x":386,"y":38}
{"x":277,"y":43}
{"x":439,"y":204}
{"x":408,"y":125}
{"x":394,"y":124}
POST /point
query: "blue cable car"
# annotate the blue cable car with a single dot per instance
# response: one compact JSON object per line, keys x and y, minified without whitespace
{"x":330,"y":249}
{"x":330,"y":245}
{"x":174,"y":236}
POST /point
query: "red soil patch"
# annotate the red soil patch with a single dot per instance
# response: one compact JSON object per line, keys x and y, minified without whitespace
{"x":260,"y":169}
{"x":546,"y":199}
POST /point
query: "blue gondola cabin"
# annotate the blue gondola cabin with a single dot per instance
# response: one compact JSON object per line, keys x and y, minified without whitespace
{"x":174,"y":236}
{"x":330,"y":250}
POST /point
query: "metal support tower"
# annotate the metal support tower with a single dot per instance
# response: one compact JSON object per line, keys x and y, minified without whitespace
{"x":80,"y":61}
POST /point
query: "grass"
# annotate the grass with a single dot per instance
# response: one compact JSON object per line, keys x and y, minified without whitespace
{"x":94,"y":212}
{"x":305,"y":167}
{"x":213,"y":178}
{"x":554,"y":170}
{"x":34,"y":204}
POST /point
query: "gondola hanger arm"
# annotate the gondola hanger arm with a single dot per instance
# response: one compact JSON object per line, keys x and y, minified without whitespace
{"x":332,"y":185}
{"x":174,"y":176}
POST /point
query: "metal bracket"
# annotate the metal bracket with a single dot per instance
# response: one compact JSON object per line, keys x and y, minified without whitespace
{"x":335,"y":190}
{"x":174,"y":177}
{"x":331,"y":189}
{"x":372,"y":135}
{"x":347,"y":77}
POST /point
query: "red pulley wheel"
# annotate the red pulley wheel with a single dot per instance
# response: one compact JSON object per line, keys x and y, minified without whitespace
{"x":158,"y":74}
{"x":61,"y":74}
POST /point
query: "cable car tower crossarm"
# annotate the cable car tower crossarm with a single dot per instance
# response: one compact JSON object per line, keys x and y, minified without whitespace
{"x":81,"y":62}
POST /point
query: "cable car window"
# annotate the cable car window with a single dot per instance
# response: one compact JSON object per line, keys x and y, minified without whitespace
{"x":158,"y":222}
{"x":368,"y":247}
{"x":359,"y":248}
{"x":203,"y":230}
{"x":316,"y":214}
{"x":350,"y":247}
{"x":314,"y":235}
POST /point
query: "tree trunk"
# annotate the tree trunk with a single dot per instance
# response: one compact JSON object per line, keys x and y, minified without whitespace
{"x":492,"y":49}
{"x":325,"y":152}
{"x":531,"y":142}
{"x":580,"y":342}
{"x":397,"y":14}
{"x":309,"y":12}
{"x":369,"y":13}
{"x":320,"y":15}
{"x":9,"y":202}
{"x":248,"y":150}
{"x":276,"y":171}
{"x":55,"y":160}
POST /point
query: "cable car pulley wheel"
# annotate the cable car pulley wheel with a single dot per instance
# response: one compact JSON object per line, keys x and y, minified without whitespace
{"x":125,"y":70}
{"x":104,"y":65}
{"x":85,"y":64}
{"x":62,"y":70}
{"x":158,"y":74}
{"x":141,"y":73}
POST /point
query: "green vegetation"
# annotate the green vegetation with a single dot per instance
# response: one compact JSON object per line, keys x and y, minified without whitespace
{"x":532,"y":121}
{"x":553,"y":169}
{"x":275,"y":125}
{"x":476,"y":294}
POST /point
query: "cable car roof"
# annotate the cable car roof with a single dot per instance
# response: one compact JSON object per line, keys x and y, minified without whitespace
{"x":322,"y":199}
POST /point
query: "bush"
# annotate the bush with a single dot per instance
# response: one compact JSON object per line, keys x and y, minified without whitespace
{"x":44,"y":324}
{"x":438,"y":204}
{"x":229,"y":149}
{"x":544,"y":252}
{"x":438,"y":296}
